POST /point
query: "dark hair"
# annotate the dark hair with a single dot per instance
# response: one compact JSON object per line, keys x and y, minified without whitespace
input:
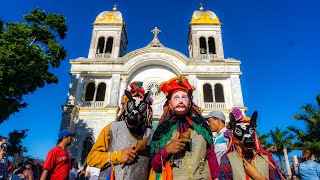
{"x":20,"y":170}
{"x":2,"y":138}
{"x":306,"y":155}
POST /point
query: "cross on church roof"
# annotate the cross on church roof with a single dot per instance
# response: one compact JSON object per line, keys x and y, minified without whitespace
{"x":201,"y":7}
{"x":155,"y":41}
{"x":115,"y":7}
{"x":155,"y":31}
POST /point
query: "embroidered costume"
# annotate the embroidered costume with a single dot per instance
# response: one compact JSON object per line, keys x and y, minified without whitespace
{"x":232,"y":163}
{"x":197,"y":160}
{"x":131,"y":128}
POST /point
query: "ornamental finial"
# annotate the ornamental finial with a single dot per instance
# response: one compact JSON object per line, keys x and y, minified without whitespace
{"x":115,"y":7}
{"x":155,"y":41}
{"x":201,"y":7}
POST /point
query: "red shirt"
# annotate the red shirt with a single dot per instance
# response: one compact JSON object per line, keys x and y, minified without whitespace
{"x":58,"y":163}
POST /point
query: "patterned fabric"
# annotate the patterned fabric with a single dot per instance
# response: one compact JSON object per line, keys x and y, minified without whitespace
{"x":179,"y":83}
{"x":201,"y":139}
{"x":227,"y":174}
{"x":4,"y":164}
{"x":121,"y":139}
{"x":221,"y":142}
{"x":164,"y":132}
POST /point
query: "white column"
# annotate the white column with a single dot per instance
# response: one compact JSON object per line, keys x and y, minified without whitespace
{"x":236,"y":91}
{"x":115,"y":86}
{"x":123,"y":86}
{"x":193,"y":82}
{"x":72,"y":89}
{"x":295,"y":163}
{"x":92,"y":50}
{"x":219,"y":45}
{"x":195,"y":49}
{"x":207,"y":44}
{"x":285,"y":153}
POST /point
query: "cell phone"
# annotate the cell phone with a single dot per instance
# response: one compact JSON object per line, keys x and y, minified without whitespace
{"x":3,"y":146}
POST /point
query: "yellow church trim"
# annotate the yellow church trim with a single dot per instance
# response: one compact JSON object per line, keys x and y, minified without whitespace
{"x":108,"y":19}
{"x":205,"y":19}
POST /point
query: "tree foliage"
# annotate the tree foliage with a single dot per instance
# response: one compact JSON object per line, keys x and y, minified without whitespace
{"x":15,"y":141}
{"x":310,"y":137}
{"x":264,"y":140}
{"x":27,"y":51}
{"x":280,"y":139}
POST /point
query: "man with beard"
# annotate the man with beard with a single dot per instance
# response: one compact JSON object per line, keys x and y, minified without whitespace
{"x":116,"y":150}
{"x":182,"y":146}
{"x":245,"y":157}
{"x":57,"y":164}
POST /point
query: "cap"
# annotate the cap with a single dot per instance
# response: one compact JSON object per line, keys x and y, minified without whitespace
{"x":216,"y":114}
{"x":64,"y":133}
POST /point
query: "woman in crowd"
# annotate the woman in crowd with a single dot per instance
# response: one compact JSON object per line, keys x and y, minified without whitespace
{"x":308,"y":169}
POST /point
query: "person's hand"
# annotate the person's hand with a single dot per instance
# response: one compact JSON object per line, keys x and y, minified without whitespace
{"x":177,"y":145}
{"x":1,"y":153}
{"x":128,"y":155}
{"x":271,"y":149}
{"x":21,"y":176}
{"x":252,"y":171}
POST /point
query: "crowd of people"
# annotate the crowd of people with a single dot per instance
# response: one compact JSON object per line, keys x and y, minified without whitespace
{"x":185,"y":145}
{"x":28,"y":169}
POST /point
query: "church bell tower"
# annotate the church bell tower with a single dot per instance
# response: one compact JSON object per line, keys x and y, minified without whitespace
{"x":109,"y":38}
{"x":204,"y":39}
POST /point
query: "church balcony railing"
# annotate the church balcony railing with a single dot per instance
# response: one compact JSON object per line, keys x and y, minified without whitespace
{"x":92,"y":104}
{"x":214,"y":105}
{"x":208,"y":56}
{"x":103,"y":55}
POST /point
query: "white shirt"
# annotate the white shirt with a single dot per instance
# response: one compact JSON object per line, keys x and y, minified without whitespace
{"x":93,"y":171}
{"x":221,"y":142}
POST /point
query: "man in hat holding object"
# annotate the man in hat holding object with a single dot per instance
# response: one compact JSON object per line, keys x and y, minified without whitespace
{"x":123,"y":146}
{"x":216,"y":120}
{"x":182,"y":146}
{"x":58,"y":161}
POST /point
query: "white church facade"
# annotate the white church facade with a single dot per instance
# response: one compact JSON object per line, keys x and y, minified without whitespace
{"x":98,"y":81}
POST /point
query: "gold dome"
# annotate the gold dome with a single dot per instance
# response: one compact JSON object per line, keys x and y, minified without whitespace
{"x":109,"y":17}
{"x":204,"y":17}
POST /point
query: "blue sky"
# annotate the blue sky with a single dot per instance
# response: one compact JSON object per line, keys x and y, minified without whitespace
{"x":277,"y":42}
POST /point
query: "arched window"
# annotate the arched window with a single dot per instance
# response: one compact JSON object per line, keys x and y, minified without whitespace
{"x":218,"y":93}
{"x":101,"y":92}
{"x":87,"y":145}
{"x":90,"y":91}
{"x":207,"y":93}
{"x":100,"y":46}
{"x":203,"y":45}
{"x":109,"y":45}
{"x":212,"y":46}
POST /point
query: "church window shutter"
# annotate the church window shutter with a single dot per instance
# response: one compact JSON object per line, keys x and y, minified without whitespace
{"x":207,"y":93}
{"x":90,"y":92}
{"x":212,"y":46}
{"x":101,"y":92}
{"x":218,"y":92}
{"x":203,"y":45}
{"x":100,"y":46}
{"x":109,"y":45}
